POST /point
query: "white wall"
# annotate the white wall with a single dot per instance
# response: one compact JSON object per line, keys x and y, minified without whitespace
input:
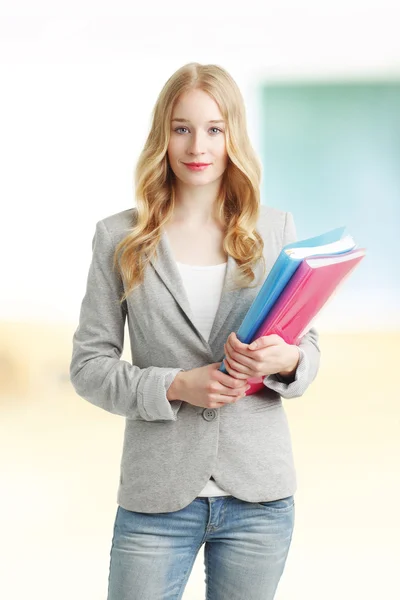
{"x":78,"y":90}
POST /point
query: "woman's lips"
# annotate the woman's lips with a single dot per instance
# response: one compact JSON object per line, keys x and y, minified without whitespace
{"x":198,"y":167}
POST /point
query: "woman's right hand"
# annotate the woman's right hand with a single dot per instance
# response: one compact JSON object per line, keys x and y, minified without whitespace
{"x":207,"y":387}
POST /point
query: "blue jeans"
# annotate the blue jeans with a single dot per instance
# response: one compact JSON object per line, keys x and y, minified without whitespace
{"x":246,"y":546}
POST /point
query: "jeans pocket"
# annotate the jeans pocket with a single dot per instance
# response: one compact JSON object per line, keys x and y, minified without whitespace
{"x":279,"y":506}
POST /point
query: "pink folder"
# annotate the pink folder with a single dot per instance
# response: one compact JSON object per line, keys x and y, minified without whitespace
{"x":308,"y":290}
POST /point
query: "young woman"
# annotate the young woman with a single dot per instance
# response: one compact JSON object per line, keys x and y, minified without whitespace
{"x":202,"y":462}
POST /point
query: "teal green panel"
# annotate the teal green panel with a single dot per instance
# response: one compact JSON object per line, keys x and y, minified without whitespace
{"x":331,"y":155}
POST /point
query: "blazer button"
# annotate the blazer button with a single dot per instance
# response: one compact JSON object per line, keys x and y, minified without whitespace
{"x":209,"y":414}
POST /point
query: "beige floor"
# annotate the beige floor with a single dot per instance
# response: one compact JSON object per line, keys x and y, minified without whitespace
{"x":60,"y":456}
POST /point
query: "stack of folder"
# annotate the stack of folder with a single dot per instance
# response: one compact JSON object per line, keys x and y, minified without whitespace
{"x":301,"y":281}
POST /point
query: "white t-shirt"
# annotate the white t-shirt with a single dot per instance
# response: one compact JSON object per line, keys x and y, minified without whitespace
{"x":203,"y":286}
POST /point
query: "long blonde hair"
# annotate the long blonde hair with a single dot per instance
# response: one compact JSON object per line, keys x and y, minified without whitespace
{"x":238,"y":201}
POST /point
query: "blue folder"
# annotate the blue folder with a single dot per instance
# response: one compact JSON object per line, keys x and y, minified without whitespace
{"x":283,"y":269}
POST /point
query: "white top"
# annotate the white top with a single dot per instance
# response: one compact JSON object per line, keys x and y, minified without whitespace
{"x":203,"y":286}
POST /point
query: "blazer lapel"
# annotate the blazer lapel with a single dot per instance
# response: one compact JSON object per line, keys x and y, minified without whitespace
{"x":168,"y":271}
{"x":227,"y":301}
{"x":166,"y":268}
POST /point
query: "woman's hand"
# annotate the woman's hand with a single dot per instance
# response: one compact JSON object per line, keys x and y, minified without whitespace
{"x":267,"y":355}
{"x":207,"y":387}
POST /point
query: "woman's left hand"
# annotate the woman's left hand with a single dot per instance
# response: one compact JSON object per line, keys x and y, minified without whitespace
{"x":268,"y":355}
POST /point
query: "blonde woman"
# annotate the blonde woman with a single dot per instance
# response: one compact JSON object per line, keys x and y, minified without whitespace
{"x":202,"y":462}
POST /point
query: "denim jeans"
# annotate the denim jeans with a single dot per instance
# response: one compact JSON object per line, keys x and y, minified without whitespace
{"x":246,"y":546}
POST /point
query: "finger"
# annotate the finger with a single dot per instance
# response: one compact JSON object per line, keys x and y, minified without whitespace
{"x":222,"y":400}
{"x":231,"y":397}
{"x":236,"y":370}
{"x":265,"y":341}
{"x":230,"y":351}
{"x":234,"y":392}
{"x":235,"y":346}
{"x":230,"y":383}
{"x":219,"y":404}
{"x":238,"y":360}
{"x":236,"y":343}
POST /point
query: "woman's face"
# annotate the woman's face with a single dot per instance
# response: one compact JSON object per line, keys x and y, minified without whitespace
{"x":197,"y":136}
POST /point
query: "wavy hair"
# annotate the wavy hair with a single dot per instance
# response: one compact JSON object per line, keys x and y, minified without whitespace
{"x":238,"y":201}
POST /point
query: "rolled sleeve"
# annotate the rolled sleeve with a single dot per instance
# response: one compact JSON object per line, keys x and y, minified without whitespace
{"x":306,"y":370}
{"x":153,"y":404}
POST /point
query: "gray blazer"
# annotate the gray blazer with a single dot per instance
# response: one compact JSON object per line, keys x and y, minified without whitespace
{"x":171,"y":449}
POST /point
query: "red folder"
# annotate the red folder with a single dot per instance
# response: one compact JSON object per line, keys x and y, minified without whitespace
{"x":308,"y":290}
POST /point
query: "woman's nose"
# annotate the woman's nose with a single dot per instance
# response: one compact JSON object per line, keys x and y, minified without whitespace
{"x":196,"y":144}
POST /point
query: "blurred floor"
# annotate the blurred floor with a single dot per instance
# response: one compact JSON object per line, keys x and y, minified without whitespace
{"x":60,"y":460}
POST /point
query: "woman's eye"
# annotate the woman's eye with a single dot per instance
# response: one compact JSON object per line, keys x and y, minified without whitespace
{"x":178,"y":129}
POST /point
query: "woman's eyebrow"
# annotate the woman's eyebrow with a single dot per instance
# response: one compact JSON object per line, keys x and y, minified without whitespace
{"x":187,"y":121}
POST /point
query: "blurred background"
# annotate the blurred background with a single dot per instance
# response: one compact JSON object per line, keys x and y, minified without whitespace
{"x":321,"y":84}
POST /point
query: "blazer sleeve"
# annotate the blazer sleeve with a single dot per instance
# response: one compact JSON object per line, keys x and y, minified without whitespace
{"x":97,"y":372}
{"x":309,"y":362}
